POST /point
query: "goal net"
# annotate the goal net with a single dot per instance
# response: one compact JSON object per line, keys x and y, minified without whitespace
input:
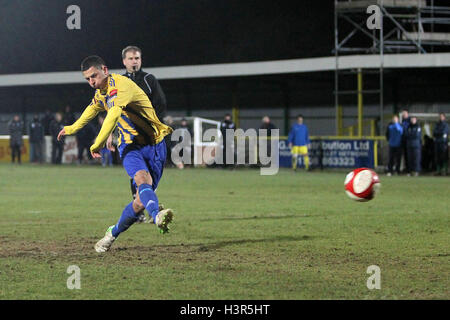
{"x":198,"y":135}
{"x":427,"y":121}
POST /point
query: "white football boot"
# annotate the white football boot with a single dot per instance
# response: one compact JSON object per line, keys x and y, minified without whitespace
{"x":105,"y":243}
{"x":163,"y":219}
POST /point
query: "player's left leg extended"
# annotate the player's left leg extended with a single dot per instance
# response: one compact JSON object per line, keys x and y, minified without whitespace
{"x":146,"y":165}
{"x":146,"y":197}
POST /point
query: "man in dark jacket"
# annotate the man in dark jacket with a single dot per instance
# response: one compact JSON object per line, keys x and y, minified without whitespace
{"x":394,"y":133}
{"x":186,"y":135}
{"x":414,"y":146}
{"x":57,"y":146}
{"x":46,"y":121}
{"x":227,"y":145}
{"x":440,"y":134}
{"x":405,"y":125}
{"x":85,"y":138}
{"x":169,"y":143}
{"x":269,"y":126}
{"x":36,"y":138}
{"x":69,"y":116}
{"x":15,"y":128}
{"x":132,"y":60}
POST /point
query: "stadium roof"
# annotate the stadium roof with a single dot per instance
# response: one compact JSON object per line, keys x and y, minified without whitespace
{"x":432,"y":60}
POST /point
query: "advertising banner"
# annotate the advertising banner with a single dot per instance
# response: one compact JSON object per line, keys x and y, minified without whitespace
{"x":329,"y":153}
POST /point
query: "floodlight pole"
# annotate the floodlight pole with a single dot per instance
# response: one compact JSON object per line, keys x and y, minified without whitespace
{"x":360,"y":102}
{"x":336,"y":77}
{"x":381,"y":70}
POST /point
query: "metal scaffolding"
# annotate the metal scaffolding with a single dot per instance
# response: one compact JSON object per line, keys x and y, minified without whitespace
{"x":406,"y":26}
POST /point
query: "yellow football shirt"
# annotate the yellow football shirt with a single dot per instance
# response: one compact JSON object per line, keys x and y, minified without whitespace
{"x":128,"y":108}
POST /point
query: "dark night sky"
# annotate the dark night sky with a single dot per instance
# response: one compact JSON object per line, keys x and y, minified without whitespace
{"x":34,"y":36}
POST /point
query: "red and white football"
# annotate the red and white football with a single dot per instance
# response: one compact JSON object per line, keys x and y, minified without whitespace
{"x":362,"y":184}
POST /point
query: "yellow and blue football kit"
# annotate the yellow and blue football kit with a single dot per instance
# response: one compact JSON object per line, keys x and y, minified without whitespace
{"x":299,"y":151}
{"x":129,"y":108}
{"x":141,"y":138}
{"x":299,"y":138}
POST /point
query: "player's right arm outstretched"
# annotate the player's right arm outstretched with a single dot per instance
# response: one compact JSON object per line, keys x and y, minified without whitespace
{"x":88,"y":114}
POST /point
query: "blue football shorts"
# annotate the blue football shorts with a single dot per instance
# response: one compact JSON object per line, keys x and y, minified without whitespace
{"x":150,"y":158}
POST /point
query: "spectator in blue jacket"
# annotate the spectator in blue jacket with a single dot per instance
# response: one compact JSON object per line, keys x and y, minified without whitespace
{"x":394,"y":135}
{"x":440,"y":134}
{"x":414,"y":146}
{"x":405,"y":124}
{"x":298,"y":141}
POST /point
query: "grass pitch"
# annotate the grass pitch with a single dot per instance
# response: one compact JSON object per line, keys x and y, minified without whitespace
{"x":236,"y":235}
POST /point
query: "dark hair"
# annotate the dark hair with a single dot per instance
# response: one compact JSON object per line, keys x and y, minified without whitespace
{"x":404,"y":109}
{"x":92,"y":61}
{"x":130,"y":48}
{"x":299,"y":116}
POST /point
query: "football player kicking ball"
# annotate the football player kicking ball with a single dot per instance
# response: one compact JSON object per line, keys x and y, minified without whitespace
{"x":141,"y":142}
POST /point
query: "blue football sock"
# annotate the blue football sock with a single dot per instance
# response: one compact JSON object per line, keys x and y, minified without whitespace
{"x":127,"y":218}
{"x":149,"y":200}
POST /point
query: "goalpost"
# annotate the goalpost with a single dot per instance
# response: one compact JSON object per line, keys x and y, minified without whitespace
{"x":426,"y":120}
{"x":198,"y":127}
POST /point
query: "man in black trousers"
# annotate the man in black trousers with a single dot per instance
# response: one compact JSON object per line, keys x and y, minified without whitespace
{"x":405,"y":124}
{"x":85,"y":138}
{"x":440,"y":134}
{"x":36,"y":138}
{"x":394,"y":134}
{"x":15,"y":128}
{"x":57,"y":146}
{"x":414,"y":146}
{"x":132,"y":60}
{"x":227,"y":123}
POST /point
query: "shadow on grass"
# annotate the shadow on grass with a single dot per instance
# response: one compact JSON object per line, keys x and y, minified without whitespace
{"x":220,"y":244}
{"x":85,"y":249}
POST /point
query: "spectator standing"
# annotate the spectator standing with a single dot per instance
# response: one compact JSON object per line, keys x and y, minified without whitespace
{"x":227,"y":145}
{"x":394,"y":134}
{"x":85,"y":138}
{"x":169,"y":143}
{"x":269,"y":126}
{"x":105,"y":152}
{"x":106,"y":157}
{"x":298,"y":141}
{"x":69,"y":116}
{"x":36,"y":138}
{"x":186,"y":135}
{"x":405,"y":125}
{"x":46,"y":121}
{"x":440,"y":134}
{"x":57,"y":146}
{"x":414,"y":147}
{"x":428,"y":156}
{"x":15,"y":128}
